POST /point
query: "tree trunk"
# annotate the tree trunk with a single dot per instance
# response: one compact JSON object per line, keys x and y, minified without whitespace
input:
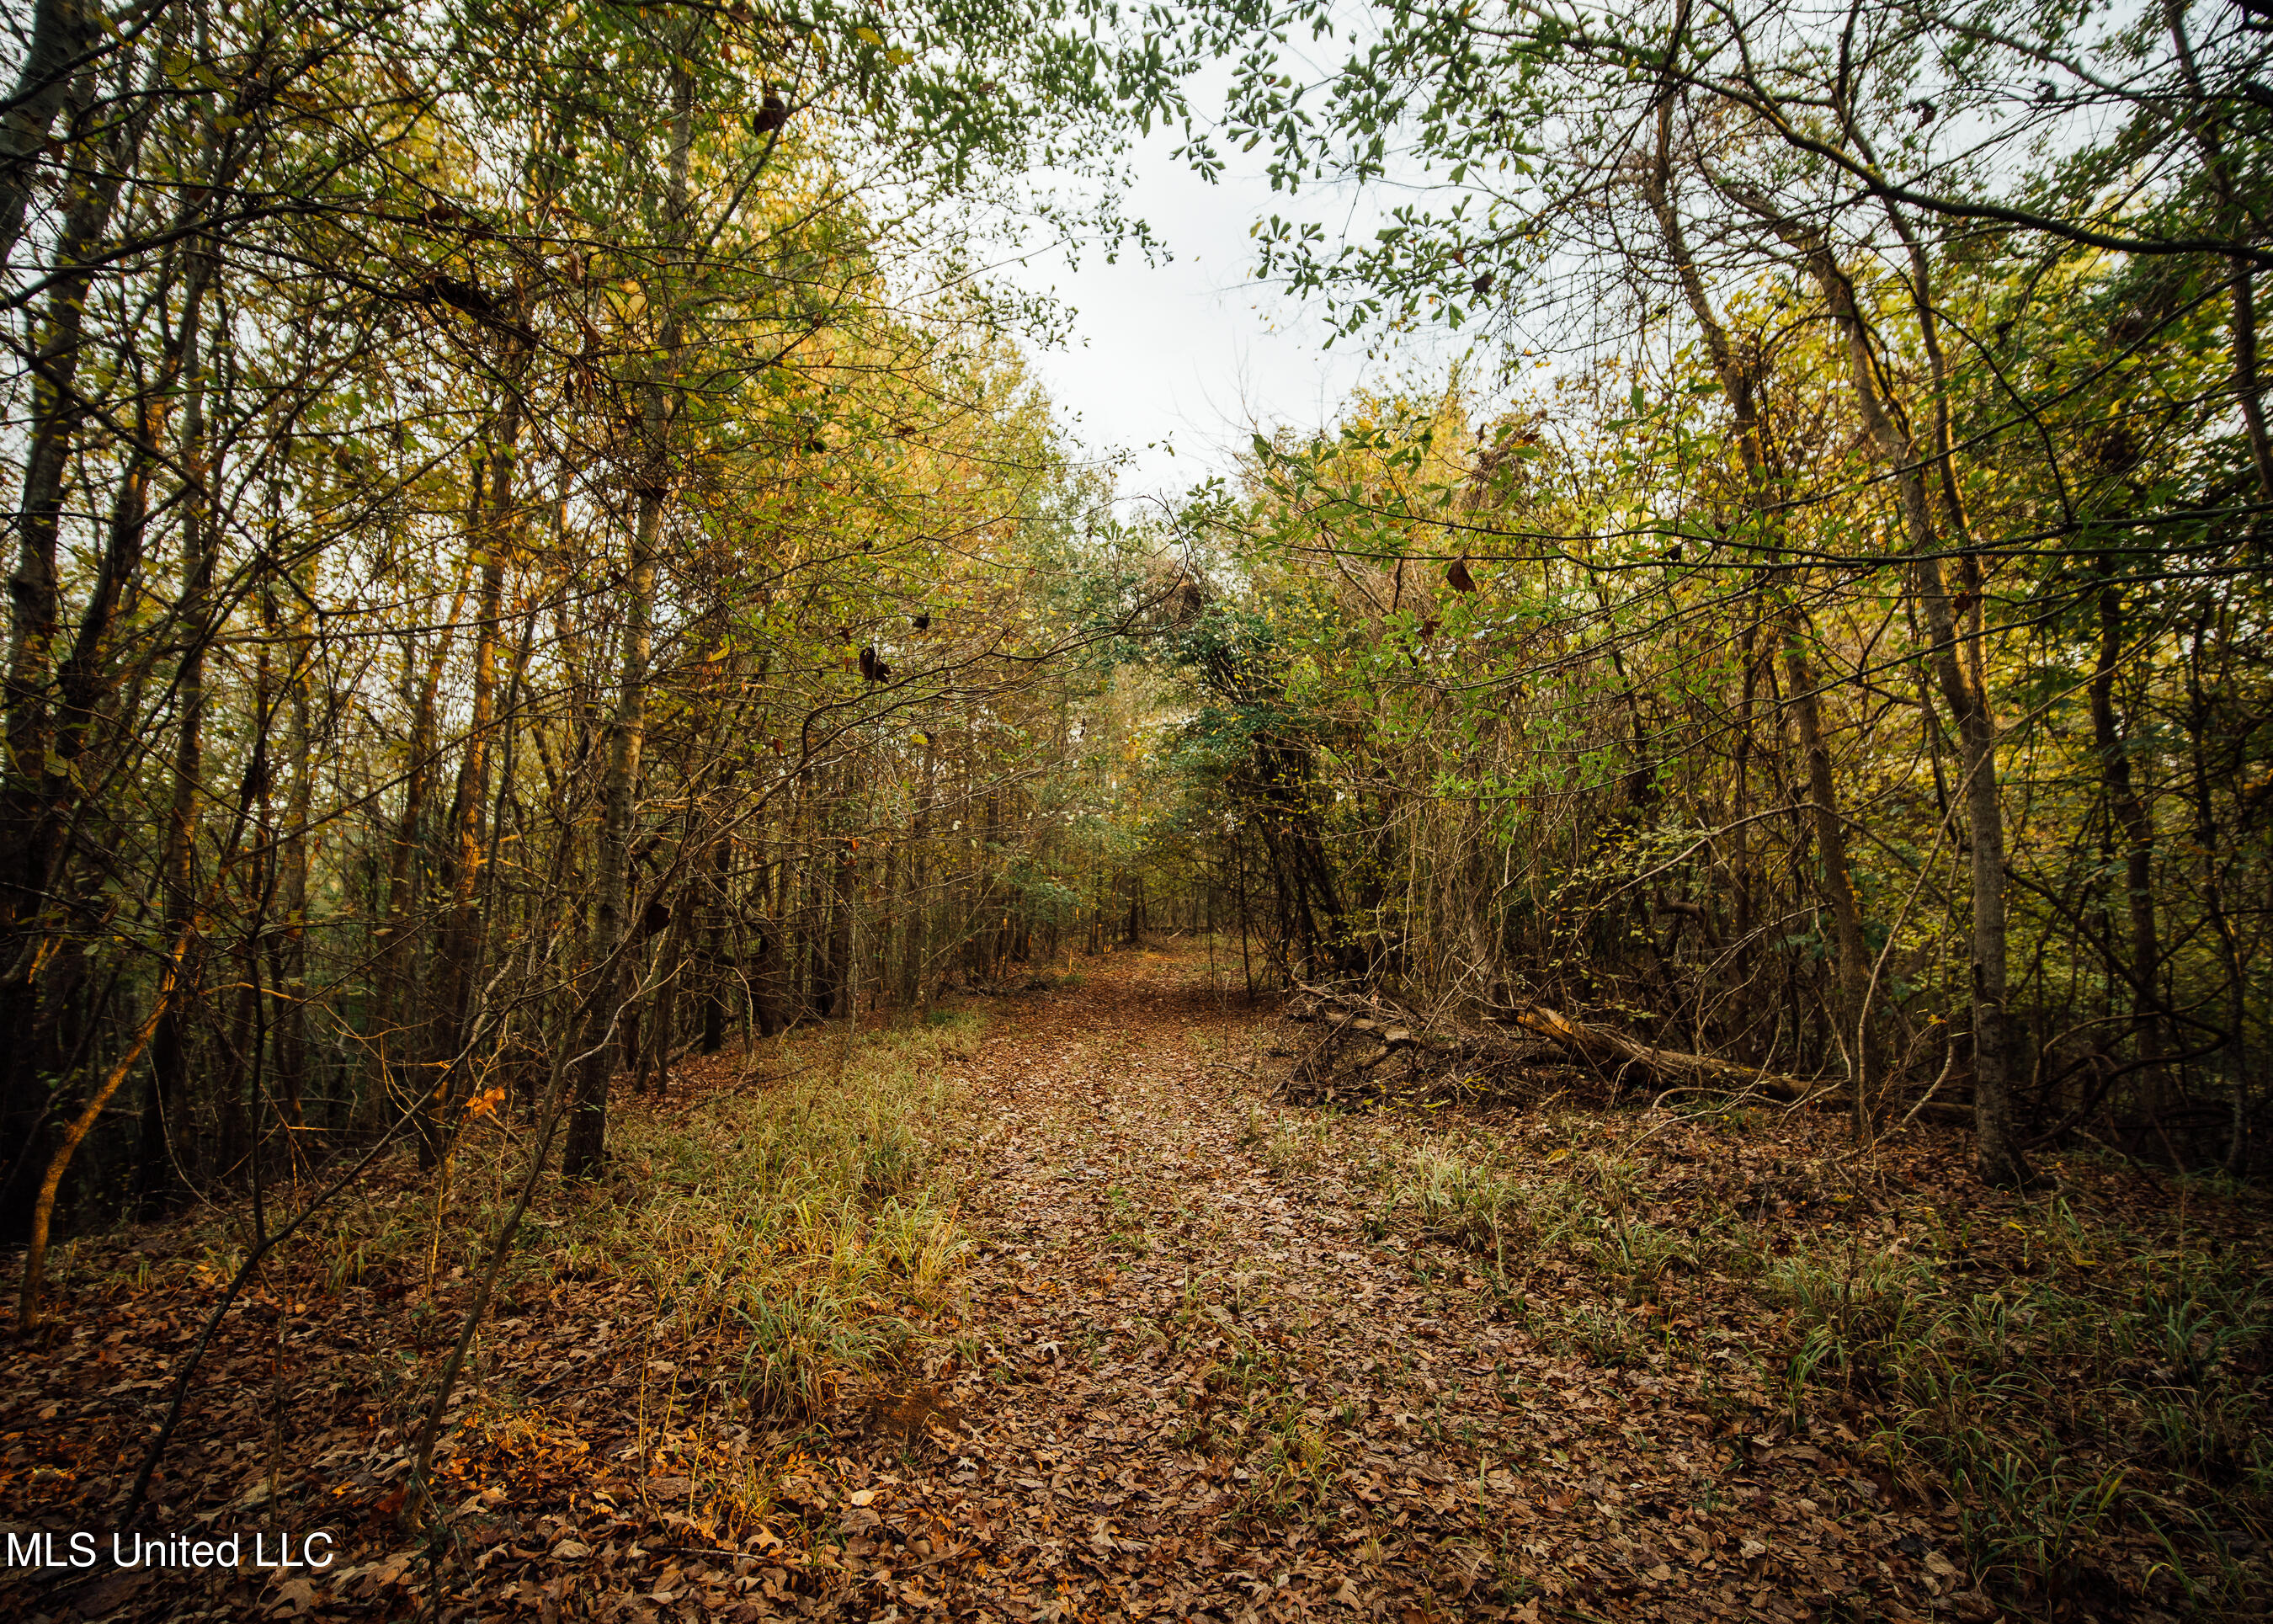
{"x":714,"y":947}
{"x":586,"y":1147}
{"x":1998,"y":1157}
{"x":392,"y":1050}
{"x":844,"y":898}
{"x":2137,"y":828}
{"x":62,"y":33}
{"x":43,"y":1207}
{"x":169,"y":1060}
{"x":1836,"y":887}
{"x":459,"y":949}
{"x":915,"y":978}
{"x":293,"y":856}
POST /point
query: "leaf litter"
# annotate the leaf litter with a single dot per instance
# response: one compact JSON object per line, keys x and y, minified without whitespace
{"x":1212,"y":1356}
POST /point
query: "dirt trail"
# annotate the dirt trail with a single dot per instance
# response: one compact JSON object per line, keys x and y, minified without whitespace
{"x":1196,"y":1387}
{"x":1211,"y":1365}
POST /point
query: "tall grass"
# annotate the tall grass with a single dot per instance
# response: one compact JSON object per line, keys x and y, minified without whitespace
{"x":799,"y":1226}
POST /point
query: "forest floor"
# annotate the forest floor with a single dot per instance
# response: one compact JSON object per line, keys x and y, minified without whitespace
{"x":1118,"y":1334}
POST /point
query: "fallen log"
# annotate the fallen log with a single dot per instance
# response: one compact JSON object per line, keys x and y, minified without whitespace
{"x":1368,"y":1017}
{"x":1603,"y":1046}
{"x":1348,"y":1016}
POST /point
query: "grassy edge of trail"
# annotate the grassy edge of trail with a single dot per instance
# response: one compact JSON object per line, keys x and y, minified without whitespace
{"x":667,"y":1343}
{"x":2080,"y":1377}
{"x":781,"y":1238}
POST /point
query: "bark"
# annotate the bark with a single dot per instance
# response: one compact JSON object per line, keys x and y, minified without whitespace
{"x":805,"y":928}
{"x":2246,"y":388}
{"x":293,"y":856}
{"x":2212,"y":841}
{"x":459,"y":948}
{"x":43,"y":1208}
{"x":390,"y":1049}
{"x":844,"y":898}
{"x":34,"y":603}
{"x":2202,"y":124}
{"x":714,"y":947}
{"x":1998,"y":1156}
{"x":768,"y":983}
{"x":1604,"y":1047}
{"x":654,"y":1071}
{"x":891,"y":932}
{"x":2135,"y":824}
{"x":915,"y":959}
{"x":1740,"y":860}
{"x":1372,"y":1020}
{"x":986,"y":940}
{"x":169,"y":1062}
{"x":46,"y":798}
{"x":1836,"y":883}
{"x":586,"y":1147}
{"x":64,"y":32}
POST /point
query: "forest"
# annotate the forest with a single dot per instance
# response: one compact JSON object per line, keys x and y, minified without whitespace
{"x":578,"y":722}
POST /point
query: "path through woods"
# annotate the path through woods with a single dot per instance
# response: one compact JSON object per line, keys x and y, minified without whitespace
{"x":1217,"y":1394}
{"x":1181,"y":1351}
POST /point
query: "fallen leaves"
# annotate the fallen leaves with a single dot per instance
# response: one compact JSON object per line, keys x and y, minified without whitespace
{"x":1201,"y":1367}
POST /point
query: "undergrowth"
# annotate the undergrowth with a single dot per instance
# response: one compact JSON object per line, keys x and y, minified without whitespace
{"x":2090,"y":1389}
{"x":794,"y":1230}
{"x":750,"y":1253}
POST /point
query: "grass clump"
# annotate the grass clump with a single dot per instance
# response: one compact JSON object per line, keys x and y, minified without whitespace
{"x":778,"y":1244}
{"x":799,"y":1224}
{"x":1471,"y":1205}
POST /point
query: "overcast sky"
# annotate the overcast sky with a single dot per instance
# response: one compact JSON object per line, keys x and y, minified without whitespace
{"x":1191,"y":353}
